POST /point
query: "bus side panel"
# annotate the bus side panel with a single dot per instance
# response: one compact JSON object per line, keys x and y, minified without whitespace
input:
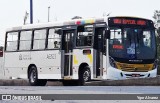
{"x":48,"y":63}
{"x":16,"y":64}
{"x":78,"y":58}
{"x":104,"y":67}
{"x":1,"y":68}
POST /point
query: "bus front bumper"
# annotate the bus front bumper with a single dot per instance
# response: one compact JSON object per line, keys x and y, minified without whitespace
{"x":116,"y":74}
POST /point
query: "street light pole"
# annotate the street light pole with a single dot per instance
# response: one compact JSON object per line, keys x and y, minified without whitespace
{"x":25,"y":18}
{"x":48,"y":12}
{"x":31,"y":11}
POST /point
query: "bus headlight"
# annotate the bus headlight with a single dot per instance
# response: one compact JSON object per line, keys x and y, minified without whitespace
{"x":112,"y":62}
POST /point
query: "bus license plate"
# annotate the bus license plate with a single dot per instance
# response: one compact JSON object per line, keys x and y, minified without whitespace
{"x":135,"y":75}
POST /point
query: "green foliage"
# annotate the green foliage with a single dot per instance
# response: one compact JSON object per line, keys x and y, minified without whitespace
{"x":158,"y":52}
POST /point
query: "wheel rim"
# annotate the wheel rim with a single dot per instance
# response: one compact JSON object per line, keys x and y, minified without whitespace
{"x":86,"y":75}
{"x":33,"y":76}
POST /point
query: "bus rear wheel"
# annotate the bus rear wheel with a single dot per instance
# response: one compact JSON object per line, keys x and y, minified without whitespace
{"x":33,"y":78}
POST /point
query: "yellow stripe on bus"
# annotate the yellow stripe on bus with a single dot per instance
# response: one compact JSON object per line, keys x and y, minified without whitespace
{"x":75,"y":60}
{"x":90,"y":58}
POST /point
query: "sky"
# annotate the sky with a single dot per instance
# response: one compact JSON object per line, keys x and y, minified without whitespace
{"x":13,"y":11}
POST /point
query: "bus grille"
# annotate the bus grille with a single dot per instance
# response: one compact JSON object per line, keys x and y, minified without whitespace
{"x":134,"y":67}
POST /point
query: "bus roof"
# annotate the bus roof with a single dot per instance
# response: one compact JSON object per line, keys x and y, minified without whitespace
{"x":34,"y":26}
{"x":57,"y":24}
{"x":65,"y":23}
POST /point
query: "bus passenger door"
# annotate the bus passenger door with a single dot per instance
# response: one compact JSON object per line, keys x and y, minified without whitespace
{"x":66,"y":55}
{"x":99,"y":51}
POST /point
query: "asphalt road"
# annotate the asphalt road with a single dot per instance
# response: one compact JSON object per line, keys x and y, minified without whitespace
{"x":80,"y":90}
{"x":100,"y":90}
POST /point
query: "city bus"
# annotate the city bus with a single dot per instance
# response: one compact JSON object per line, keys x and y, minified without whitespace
{"x":81,"y":50}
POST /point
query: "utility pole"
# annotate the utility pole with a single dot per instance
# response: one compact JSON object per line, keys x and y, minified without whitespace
{"x":31,"y":11}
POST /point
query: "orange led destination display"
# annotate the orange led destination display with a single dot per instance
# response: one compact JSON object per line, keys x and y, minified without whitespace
{"x":129,"y":21}
{"x":117,"y":46}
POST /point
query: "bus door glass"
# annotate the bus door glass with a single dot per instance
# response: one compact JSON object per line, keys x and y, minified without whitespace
{"x":99,"y":42}
{"x":67,"y":49}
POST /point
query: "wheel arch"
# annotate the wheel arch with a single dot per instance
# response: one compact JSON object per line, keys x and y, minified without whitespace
{"x":82,"y":65}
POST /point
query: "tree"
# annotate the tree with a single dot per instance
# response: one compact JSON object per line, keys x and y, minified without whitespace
{"x":156,"y":18}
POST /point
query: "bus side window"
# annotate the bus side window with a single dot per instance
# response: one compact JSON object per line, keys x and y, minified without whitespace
{"x":39,"y":39}
{"x":54,"y":39}
{"x":25,"y":40}
{"x":12,"y":41}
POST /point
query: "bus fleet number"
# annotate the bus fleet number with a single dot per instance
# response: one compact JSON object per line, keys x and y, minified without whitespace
{"x":51,"y":56}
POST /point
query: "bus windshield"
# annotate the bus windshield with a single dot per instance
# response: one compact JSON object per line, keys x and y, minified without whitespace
{"x":132,"y":43}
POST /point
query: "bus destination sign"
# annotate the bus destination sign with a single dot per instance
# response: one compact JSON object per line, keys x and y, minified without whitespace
{"x":129,"y":21}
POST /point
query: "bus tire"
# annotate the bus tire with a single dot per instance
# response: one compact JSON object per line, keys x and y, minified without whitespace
{"x":84,"y":76}
{"x":33,"y":78}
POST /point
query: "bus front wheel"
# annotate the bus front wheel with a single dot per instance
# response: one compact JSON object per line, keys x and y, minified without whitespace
{"x":84,"y":75}
{"x":33,"y":78}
